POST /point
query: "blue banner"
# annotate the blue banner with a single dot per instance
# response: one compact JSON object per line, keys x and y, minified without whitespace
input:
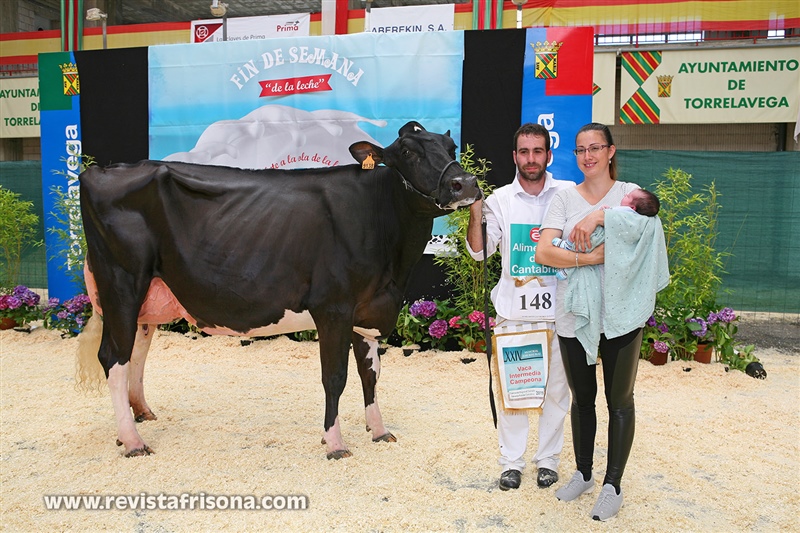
{"x":60,"y":122}
{"x":557,"y":90}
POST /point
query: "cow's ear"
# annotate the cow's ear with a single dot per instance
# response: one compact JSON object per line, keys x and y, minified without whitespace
{"x":362,"y":149}
{"x":411,"y":127}
{"x":447,"y":133}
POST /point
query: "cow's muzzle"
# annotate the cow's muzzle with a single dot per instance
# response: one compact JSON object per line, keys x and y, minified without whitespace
{"x":457,"y":190}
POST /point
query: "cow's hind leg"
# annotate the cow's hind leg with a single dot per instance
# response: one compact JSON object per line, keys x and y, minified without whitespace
{"x":369,"y":368}
{"x":116,"y":349}
{"x":334,"y":347}
{"x":144,"y":336}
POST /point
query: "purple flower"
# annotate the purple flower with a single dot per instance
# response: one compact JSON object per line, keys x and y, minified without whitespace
{"x":660,"y":346}
{"x":52,"y":303}
{"x":13,"y":302}
{"x":713,"y":318}
{"x":25,"y":295}
{"x":663,"y":328}
{"x":727,"y":315}
{"x":438,"y":329}
{"x":701,"y":332}
{"x":651,"y":321}
{"x":62,"y":315}
{"x":424,"y":308}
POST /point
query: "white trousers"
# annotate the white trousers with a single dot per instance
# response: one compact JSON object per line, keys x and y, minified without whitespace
{"x":512,"y":429}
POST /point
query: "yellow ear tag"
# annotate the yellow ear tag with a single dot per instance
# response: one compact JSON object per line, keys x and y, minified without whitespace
{"x":368,"y":163}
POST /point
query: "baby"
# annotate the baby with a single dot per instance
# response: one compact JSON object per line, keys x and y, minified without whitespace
{"x":639,"y":201}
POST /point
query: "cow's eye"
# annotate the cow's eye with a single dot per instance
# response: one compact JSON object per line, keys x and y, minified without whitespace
{"x":406,"y":152}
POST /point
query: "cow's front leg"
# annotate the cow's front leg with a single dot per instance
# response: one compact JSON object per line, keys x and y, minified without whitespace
{"x":141,"y":346}
{"x":334,"y":346}
{"x":126,"y":427}
{"x":369,"y":368}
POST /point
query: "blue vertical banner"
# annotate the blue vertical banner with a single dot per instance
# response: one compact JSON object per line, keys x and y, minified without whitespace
{"x":60,"y":121}
{"x":557,"y":90}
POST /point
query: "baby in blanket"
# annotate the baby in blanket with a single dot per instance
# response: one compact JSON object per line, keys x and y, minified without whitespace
{"x":639,"y":201}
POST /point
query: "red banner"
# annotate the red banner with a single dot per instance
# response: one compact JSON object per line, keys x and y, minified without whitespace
{"x":304,"y":84}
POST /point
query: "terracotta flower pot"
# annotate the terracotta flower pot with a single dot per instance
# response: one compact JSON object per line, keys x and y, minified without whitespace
{"x":703,"y":353}
{"x":8,"y":323}
{"x":659,"y":358}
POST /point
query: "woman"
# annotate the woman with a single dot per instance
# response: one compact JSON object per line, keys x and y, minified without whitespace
{"x":576,"y":213}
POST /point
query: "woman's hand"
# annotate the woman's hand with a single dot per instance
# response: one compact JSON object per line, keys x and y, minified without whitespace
{"x":582,"y":232}
{"x":595,"y":257}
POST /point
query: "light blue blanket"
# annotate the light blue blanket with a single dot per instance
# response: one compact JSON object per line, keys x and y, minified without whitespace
{"x":636,"y":269}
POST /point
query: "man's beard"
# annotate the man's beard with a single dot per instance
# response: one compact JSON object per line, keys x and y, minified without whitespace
{"x":534,"y":176}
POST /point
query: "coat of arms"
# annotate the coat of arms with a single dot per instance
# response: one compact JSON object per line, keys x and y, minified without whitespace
{"x":546,"y":59}
{"x":72,"y":85}
{"x":664,"y":86}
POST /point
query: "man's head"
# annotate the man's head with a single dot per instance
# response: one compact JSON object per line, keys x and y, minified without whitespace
{"x":643,"y":202}
{"x":532,"y":151}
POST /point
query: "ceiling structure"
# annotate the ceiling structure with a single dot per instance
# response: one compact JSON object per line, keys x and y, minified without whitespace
{"x":121,"y":12}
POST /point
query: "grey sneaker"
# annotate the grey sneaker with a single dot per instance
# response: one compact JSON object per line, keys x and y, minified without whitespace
{"x":575,"y":487}
{"x":608,"y":503}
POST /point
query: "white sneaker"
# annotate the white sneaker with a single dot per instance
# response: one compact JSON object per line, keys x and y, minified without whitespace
{"x":575,"y":487}
{"x":608,"y":503}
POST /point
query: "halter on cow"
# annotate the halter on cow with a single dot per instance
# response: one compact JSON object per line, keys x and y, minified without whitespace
{"x":263,"y":252}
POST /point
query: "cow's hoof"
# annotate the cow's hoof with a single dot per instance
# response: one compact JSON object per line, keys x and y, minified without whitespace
{"x":388,"y":437}
{"x":139,"y":452}
{"x":339,"y":454}
{"x":147,"y":415}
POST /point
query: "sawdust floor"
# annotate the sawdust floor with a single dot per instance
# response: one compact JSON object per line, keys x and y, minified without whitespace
{"x":714,"y":450}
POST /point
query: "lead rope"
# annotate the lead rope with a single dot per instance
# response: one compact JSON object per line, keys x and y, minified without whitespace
{"x":486,"y":327}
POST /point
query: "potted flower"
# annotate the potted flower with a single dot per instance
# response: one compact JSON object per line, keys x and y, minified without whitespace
{"x":723,"y":328}
{"x":69,"y":317}
{"x":689,"y":219}
{"x":657,"y":341}
{"x":18,"y":307}
{"x":698,"y":327}
{"x":412,"y":324}
{"x":469,"y":330}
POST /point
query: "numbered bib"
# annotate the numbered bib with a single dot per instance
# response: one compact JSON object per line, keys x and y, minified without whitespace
{"x":533,"y":302}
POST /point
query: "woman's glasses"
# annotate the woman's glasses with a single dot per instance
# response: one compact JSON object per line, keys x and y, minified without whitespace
{"x":593,"y":149}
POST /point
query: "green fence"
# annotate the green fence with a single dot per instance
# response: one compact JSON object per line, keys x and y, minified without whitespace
{"x":25,"y":179}
{"x":759,"y":221}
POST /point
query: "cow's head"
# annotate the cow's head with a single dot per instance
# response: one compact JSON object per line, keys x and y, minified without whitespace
{"x":427,"y":163}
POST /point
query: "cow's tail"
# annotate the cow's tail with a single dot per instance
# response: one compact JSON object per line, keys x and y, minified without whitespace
{"x":89,"y":374}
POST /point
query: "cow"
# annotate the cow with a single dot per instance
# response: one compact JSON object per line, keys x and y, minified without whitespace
{"x":263,"y":252}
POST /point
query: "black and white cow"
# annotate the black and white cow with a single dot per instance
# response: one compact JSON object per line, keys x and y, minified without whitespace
{"x":263,"y":252}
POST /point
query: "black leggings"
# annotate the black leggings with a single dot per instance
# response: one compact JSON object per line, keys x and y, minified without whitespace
{"x":620,"y":359}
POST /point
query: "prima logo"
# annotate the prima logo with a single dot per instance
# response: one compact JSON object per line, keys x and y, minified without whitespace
{"x":288,"y":26}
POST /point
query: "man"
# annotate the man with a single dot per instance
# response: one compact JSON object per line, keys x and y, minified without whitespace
{"x":513,"y":215}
